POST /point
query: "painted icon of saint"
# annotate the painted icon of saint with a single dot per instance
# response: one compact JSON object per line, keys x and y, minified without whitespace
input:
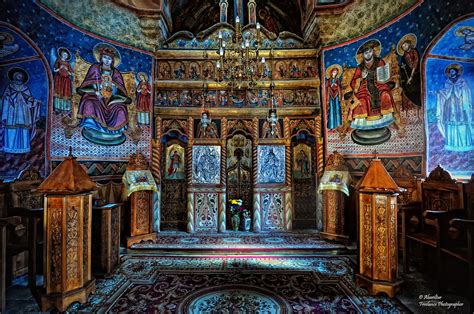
{"x":454,"y":109}
{"x":410,"y":78}
{"x":376,"y":105}
{"x":175,"y":162}
{"x":62,"y":81}
{"x":20,"y":112}
{"x":144,"y":98}
{"x":333,"y":96}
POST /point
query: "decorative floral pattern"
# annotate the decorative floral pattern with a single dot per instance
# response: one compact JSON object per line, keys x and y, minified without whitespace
{"x":292,"y":284}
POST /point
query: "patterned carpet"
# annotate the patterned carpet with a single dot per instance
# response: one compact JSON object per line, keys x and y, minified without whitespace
{"x":239,"y":240}
{"x":224,"y":284}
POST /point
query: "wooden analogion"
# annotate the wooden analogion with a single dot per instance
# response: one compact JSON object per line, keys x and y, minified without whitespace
{"x":335,"y":189}
{"x":67,"y":234}
{"x":377,"y":231}
{"x":139,"y":186}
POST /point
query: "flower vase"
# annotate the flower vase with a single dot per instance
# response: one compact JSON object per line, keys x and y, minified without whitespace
{"x":246,"y":223}
{"x":235,"y":221}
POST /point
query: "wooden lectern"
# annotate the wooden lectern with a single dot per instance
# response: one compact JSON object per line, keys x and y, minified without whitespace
{"x":67,"y":234}
{"x":139,"y":186}
{"x":377,"y":246}
{"x":335,"y":189}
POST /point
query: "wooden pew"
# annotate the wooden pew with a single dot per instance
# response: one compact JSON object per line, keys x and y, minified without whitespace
{"x":409,"y":202}
{"x":456,"y":245}
{"x":24,"y":201}
{"x":4,"y":222}
{"x":440,"y":194}
{"x":465,"y":253}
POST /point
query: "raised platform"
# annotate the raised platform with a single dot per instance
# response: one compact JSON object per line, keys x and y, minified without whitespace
{"x":235,"y":241}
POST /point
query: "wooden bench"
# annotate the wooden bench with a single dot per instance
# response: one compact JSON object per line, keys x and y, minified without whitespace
{"x":4,"y":223}
{"x":409,"y":202}
{"x":440,"y":194}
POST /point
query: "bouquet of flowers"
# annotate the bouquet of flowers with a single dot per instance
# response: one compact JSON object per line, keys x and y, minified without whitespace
{"x":237,"y":208}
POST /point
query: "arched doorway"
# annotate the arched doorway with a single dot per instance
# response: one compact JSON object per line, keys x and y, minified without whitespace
{"x":303,"y":146}
{"x":239,"y":168}
{"x":173,"y":182}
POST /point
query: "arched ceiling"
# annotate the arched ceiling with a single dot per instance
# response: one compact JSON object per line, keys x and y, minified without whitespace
{"x":147,"y":24}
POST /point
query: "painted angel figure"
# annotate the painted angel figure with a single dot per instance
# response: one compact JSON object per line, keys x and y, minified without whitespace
{"x":144,"y":98}
{"x":62,"y":81}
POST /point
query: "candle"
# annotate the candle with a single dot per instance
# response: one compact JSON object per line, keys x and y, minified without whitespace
{"x":221,"y":51}
{"x":237,"y":20}
{"x":263,"y":59}
{"x":218,"y":64}
{"x":258,"y":26}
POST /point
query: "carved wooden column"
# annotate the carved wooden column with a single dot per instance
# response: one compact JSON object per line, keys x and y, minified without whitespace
{"x":156,"y":171}
{"x":257,"y":220}
{"x":288,"y":177}
{"x":319,"y":147}
{"x":140,"y":184}
{"x":67,"y":236}
{"x":189,"y":175}
{"x":156,"y":153}
{"x":222,"y":194}
{"x":377,"y":246}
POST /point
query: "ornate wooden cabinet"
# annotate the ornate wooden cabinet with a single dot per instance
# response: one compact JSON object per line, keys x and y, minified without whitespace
{"x":67,"y":234}
{"x":377,"y":231}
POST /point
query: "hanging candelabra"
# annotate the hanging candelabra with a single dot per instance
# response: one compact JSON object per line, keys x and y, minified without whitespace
{"x":239,"y":62}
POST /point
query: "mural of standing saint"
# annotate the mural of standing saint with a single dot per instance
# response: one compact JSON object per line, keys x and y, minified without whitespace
{"x":20,"y":112}
{"x":143,"y":99}
{"x":410,"y":78}
{"x":62,"y":81}
{"x":103,"y":105}
{"x":454,"y":111}
{"x":334,"y":96}
{"x":175,"y":162}
{"x":303,"y":163}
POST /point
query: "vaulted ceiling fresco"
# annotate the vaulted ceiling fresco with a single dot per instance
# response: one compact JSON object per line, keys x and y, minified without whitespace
{"x":198,"y":15}
{"x":148,"y":24}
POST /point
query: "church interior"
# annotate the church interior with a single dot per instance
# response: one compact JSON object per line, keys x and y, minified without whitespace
{"x":237,"y":156}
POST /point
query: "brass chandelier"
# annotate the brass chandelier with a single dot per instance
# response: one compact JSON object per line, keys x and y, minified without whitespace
{"x":239,"y":65}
